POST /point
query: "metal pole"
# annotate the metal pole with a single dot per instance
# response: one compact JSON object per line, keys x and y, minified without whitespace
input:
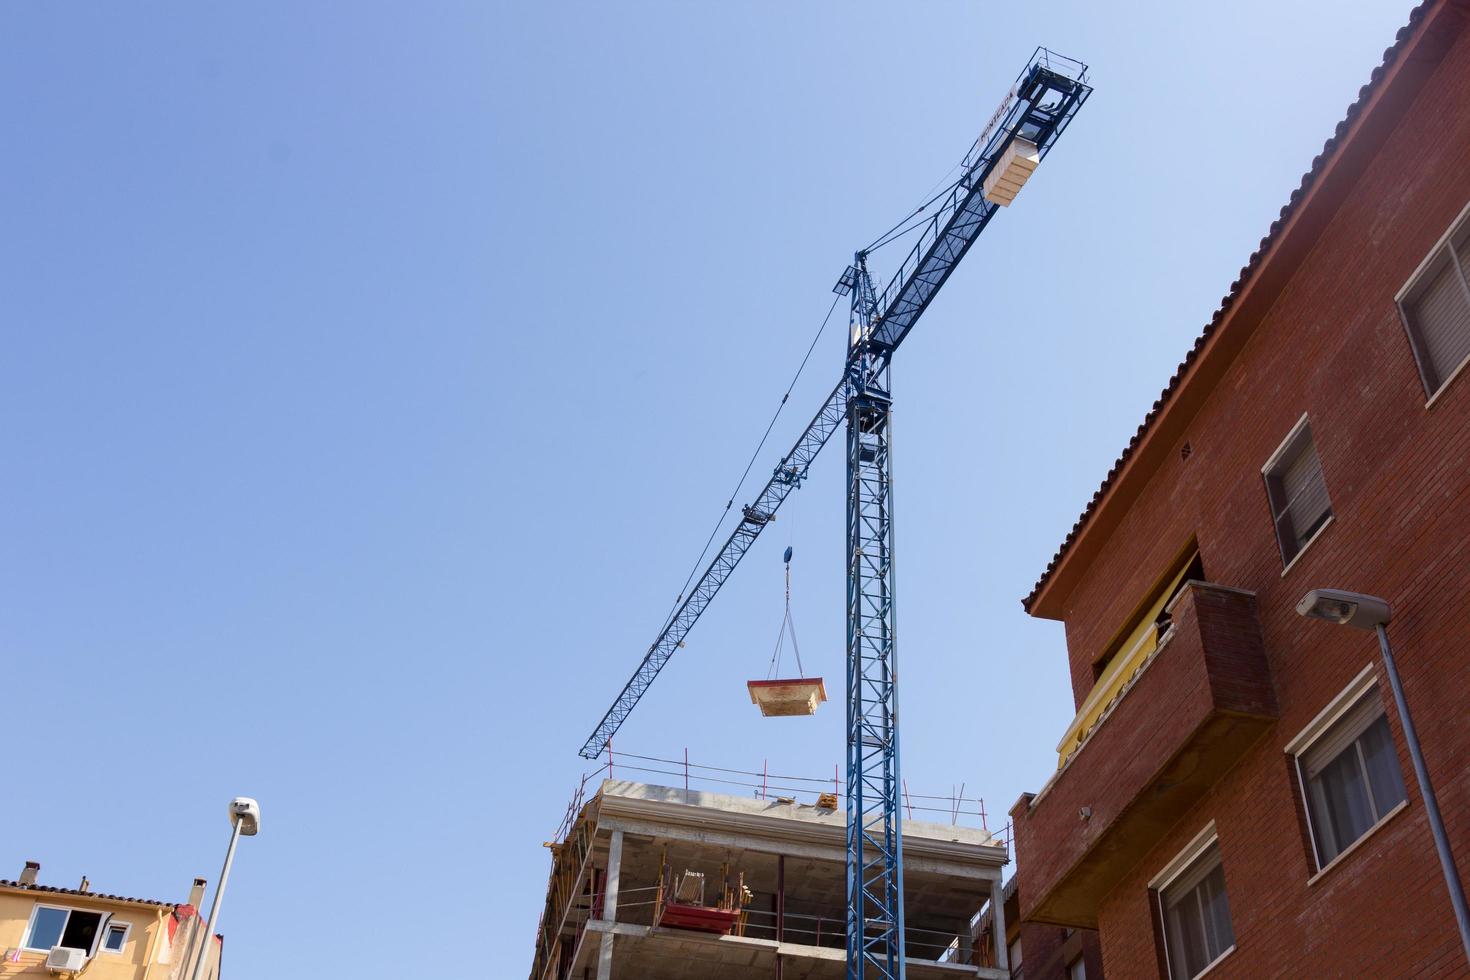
{"x":1426,"y":790}
{"x":219,"y":894}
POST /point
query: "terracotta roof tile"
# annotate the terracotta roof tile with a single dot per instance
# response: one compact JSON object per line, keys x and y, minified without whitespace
{"x":53,"y":890}
{"x":1308,"y":179}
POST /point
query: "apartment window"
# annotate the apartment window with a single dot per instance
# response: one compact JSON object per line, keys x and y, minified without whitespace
{"x":1297,"y":491}
{"x":52,"y":926}
{"x":1435,"y":306}
{"x":1194,"y":908}
{"x":1349,"y":772}
{"x":115,"y":937}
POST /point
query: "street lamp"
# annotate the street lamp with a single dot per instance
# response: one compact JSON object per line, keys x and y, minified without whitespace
{"x":1366,"y":612}
{"x":244,"y":821}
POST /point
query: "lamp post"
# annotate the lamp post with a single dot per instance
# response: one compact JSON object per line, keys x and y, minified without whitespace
{"x":244,"y":822}
{"x":1367,"y":612}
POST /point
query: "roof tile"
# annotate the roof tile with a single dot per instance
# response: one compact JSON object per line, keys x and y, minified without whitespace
{"x":53,"y":890}
{"x":1246,"y":272}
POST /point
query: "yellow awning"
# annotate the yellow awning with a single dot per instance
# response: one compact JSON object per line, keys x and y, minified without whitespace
{"x":1131,"y":653}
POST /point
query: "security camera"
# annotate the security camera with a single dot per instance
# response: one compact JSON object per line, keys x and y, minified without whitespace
{"x":246,"y":812}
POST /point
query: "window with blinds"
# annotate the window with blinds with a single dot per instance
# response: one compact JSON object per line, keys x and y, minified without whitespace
{"x":1350,"y":777}
{"x":1436,"y":309}
{"x":1297,"y":491}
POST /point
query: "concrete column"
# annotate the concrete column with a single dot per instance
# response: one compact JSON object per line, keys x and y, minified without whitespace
{"x":780,"y":912}
{"x":998,"y":923}
{"x":781,"y":898}
{"x":610,"y":904}
{"x":614,"y":867}
{"x":604,"y":958}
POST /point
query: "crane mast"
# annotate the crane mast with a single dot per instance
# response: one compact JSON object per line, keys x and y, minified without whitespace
{"x":874,"y":836}
{"x":1035,"y":112}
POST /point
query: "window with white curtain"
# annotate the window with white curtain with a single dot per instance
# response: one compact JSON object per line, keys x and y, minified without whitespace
{"x":1350,"y":777}
{"x":1196,"y":914}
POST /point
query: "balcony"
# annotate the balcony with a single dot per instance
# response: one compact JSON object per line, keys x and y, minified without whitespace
{"x":1199,"y":701}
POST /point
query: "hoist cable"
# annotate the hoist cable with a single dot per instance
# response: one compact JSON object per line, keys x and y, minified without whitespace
{"x":889,"y":235}
{"x":699,"y":562}
{"x":787,"y":624}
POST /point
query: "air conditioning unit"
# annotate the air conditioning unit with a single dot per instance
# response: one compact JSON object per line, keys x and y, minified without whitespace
{"x":65,"y":960}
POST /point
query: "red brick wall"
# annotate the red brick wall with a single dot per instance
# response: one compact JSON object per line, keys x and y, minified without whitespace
{"x":1211,"y":672}
{"x":1048,"y":952}
{"x":1332,"y":345}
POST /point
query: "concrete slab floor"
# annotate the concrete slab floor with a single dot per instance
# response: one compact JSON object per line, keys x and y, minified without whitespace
{"x":792,"y":858}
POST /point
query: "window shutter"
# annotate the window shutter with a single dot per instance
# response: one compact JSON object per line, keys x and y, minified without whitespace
{"x":1342,"y":734}
{"x":1207,"y":861}
{"x":1440,"y":315}
{"x":1306,"y":493}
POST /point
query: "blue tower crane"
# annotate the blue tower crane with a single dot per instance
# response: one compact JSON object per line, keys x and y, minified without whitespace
{"x":1033,"y":115}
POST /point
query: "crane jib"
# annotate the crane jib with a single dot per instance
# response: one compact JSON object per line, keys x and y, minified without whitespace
{"x":786,"y":477}
{"x":1038,"y":108}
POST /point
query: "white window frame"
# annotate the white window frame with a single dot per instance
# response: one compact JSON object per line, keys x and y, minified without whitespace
{"x":68,"y":909}
{"x":1408,"y":287}
{"x":108,"y":926}
{"x":1272,"y":463}
{"x":1361,"y":686}
{"x":1171,"y":872}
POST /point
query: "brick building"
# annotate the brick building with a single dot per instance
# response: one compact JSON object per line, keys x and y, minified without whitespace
{"x":1039,"y":951}
{"x":1236,"y":793}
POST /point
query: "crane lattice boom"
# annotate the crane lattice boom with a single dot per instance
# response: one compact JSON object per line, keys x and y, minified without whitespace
{"x":942,"y":243}
{"x":1033,"y":115}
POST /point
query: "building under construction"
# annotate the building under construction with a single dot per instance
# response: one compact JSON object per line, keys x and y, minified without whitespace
{"x":655,"y":883}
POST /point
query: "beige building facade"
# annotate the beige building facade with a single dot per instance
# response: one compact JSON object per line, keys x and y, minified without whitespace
{"x":87,"y":934}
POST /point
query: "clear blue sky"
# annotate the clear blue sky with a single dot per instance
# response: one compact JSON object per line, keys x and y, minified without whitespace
{"x":373,"y":372}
